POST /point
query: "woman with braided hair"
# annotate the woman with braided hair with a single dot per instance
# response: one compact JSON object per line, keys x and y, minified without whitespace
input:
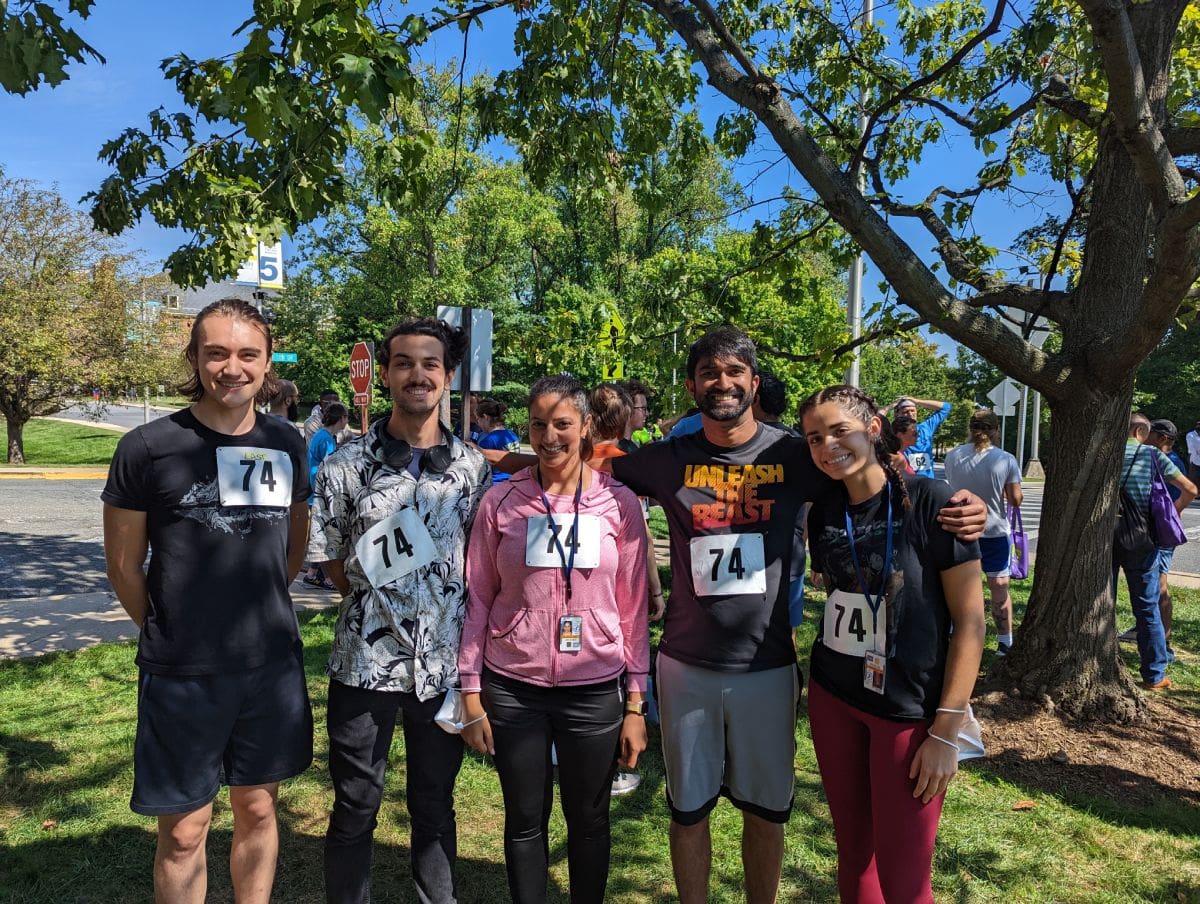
{"x":897,"y":655}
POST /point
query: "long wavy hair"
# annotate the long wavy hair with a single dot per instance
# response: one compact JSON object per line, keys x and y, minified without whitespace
{"x":862,"y":407}
{"x":235,"y":308}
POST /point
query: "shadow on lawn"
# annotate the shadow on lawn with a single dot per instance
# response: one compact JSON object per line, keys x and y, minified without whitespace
{"x":116,"y":865}
{"x":1116,"y":795}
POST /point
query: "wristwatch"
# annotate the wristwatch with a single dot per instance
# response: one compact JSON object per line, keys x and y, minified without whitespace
{"x":636,"y":709}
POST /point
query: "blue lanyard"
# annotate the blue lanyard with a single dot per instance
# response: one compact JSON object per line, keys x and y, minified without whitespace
{"x":568,"y":563}
{"x":887,"y":563}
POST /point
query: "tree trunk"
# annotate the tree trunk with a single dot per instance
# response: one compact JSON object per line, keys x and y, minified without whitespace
{"x":16,"y":443}
{"x":1066,"y":647}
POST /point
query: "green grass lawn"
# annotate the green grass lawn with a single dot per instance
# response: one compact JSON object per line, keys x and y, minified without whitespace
{"x":50,"y":443}
{"x":66,"y":735}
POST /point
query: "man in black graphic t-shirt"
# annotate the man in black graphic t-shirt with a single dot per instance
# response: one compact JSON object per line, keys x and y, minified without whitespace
{"x":219,"y":494}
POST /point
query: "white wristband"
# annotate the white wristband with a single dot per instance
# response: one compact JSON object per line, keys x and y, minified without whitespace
{"x":940,"y":738}
{"x":956,"y":712}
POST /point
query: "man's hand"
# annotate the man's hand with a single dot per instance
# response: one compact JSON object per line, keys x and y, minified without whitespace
{"x":965,"y":516}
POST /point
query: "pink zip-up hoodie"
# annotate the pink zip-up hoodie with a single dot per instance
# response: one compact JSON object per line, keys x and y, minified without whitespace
{"x":513,"y":610}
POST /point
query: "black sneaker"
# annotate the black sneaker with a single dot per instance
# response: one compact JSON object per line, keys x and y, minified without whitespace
{"x":1002,"y":649}
{"x":1129,"y":636}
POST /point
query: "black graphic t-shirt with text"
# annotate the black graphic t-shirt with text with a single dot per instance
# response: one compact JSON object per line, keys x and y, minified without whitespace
{"x":714,"y":493}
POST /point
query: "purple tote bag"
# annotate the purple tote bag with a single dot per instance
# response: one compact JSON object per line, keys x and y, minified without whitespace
{"x":1018,"y":563}
{"x":1165,"y":525}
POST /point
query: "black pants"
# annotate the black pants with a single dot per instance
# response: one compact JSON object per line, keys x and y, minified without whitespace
{"x":361,"y":723}
{"x":584,"y":725}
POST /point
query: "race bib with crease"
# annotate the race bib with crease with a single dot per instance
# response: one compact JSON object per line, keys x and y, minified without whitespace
{"x":848,"y":626}
{"x":395,"y":547}
{"x":728,"y":564}
{"x":542,"y":552}
{"x":248,"y":475}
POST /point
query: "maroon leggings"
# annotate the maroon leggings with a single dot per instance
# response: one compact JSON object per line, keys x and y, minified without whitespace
{"x":884,"y":835}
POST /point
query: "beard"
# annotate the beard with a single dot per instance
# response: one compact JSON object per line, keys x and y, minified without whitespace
{"x":293,"y":411}
{"x":725,"y":411}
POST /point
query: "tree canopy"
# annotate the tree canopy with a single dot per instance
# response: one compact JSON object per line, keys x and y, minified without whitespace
{"x":1084,"y":117}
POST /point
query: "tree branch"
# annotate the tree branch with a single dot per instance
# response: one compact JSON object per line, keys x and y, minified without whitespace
{"x":1039,"y":302}
{"x":1058,"y":95}
{"x":912,"y":279}
{"x":467,"y":14}
{"x":1184,"y":142}
{"x":727,"y":40}
{"x":1129,"y":103}
{"x":913,"y":87}
{"x":882,"y":333}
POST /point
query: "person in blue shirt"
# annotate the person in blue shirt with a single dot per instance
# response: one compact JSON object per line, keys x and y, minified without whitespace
{"x":493,"y":434}
{"x":920,"y":453}
{"x":334,"y":418}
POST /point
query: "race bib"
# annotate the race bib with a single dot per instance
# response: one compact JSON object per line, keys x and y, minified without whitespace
{"x":728,"y":564}
{"x":395,"y":547}
{"x":248,"y":475}
{"x":542,"y":552}
{"x":848,"y":626}
{"x":920,"y":461}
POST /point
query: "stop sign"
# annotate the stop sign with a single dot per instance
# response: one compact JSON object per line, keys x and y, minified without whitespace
{"x":362,"y":367}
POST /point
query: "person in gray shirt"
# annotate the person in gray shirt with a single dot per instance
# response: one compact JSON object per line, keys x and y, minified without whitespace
{"x":992,"y":474}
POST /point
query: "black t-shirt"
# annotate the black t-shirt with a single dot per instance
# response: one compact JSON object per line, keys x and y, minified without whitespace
{"x":217,"y":510}
{"x":729,"y":602}
{"x":914,"y":610}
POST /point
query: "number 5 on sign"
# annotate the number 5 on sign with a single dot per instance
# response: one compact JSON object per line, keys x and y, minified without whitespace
{"x":394,"y":547}
{"x":727,"y":564}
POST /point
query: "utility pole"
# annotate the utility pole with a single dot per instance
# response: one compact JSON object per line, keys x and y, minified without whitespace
{"x":854,"y":287}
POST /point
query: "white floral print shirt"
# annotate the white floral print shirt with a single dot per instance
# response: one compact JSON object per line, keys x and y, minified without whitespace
{"x":405,"y":635}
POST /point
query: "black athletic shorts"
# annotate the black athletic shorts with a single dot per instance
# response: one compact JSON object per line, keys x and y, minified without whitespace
{"x":251,"y":727}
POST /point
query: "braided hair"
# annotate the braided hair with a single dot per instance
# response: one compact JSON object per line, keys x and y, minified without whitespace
{"x":862,"y":407}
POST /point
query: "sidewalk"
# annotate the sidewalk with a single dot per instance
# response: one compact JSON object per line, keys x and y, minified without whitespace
{"x":45,"y":624}
{"x":82,"y":472}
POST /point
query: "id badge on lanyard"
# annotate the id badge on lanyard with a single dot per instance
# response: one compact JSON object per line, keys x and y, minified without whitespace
{"x":875,"y":658}
{"x":570,"y":627}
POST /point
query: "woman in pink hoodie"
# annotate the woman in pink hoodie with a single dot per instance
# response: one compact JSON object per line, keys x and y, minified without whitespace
{"x":555,"y":649}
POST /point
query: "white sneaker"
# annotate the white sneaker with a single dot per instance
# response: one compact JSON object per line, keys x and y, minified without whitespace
{"x":625,"y":783}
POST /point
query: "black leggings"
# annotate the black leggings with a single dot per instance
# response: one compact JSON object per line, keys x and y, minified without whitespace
{"x":584,"y":725}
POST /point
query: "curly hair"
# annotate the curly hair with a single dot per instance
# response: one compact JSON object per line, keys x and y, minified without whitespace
{"x":453,"y":339}
{"x":861,"y":406}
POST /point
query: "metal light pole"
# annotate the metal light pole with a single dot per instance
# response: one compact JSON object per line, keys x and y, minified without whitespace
{"x":854,"y":287}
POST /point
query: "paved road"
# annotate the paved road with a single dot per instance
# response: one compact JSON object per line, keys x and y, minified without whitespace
{"x":116,"y":415}
{"x":50,"y":537}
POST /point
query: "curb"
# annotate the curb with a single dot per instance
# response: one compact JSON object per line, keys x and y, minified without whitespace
{"x":53,"y":474}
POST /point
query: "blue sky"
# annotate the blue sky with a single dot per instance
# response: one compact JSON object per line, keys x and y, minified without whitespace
{"x":53,"y":135}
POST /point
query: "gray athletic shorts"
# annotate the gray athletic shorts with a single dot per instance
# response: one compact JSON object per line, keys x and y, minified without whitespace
{"x":730,"y":733}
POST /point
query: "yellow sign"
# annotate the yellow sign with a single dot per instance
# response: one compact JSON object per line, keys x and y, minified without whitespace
{"x":612,"y":334}
{"x":614,"y":370}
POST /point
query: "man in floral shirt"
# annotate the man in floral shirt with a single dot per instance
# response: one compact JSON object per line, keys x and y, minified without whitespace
{"x":391,"y":513}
